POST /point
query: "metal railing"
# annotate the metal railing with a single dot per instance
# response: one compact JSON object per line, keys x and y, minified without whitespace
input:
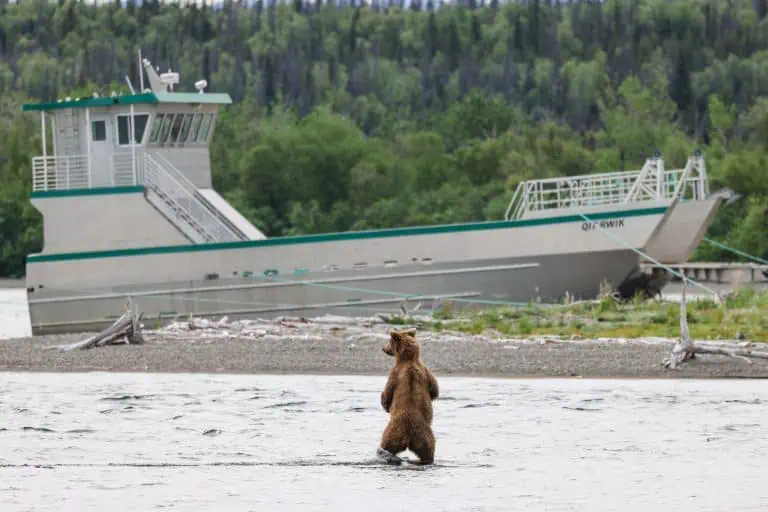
{"x":177,"y":195}
{"x":168,"y":188}
{"x":192,"y":188}
{"x":651,"y":183}
{"x":71,"y":172}
{"x":60,"y":173}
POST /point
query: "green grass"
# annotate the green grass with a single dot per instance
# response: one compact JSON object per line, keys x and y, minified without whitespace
{"x":745,"y":311}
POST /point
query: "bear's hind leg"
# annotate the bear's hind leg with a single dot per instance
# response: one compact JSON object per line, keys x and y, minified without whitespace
{"x":390,"y":448}
{"x":393,"y":441}
{"x":423,"y":445}
{"x":388,"y":457}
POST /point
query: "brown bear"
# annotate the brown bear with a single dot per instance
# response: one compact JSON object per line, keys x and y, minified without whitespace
{"x":407,"y":397}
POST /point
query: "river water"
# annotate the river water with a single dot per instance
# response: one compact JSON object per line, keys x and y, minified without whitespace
{"x":141,"y":442}
{"x":96,"y":441}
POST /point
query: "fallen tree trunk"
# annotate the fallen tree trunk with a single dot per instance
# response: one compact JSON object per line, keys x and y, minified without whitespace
{"x":685,"y":349}
{"x":127,"y":327}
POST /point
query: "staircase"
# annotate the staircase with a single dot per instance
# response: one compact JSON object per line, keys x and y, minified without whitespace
{"x":176,"y":198}
{"x":166,"y":164}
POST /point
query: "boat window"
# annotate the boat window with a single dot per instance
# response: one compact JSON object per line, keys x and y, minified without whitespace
{"x":98,"y":131}
{"x":156,"y":122}
{"x":140,"y":126}
{"x":165,"y":129}
{"x":123,"y":128}
{"x":195,"y":127}
{"x":202,"y":136}
{"x":175,"y":128}
{"x":185,"y":128}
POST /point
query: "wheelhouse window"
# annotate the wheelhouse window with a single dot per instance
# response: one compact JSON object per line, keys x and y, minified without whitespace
{"x":184,"y":128}
{"x":179,"y":129}
{"x":123,"y":128}
{"x":202,"y":136}
{"x":195,"y":127}
{"x":155,"y":131}
{"x":175,"y":128}
{"x":166,"y":128}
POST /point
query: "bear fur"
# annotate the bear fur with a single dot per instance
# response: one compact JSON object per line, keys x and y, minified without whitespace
{"x":407,"y":397}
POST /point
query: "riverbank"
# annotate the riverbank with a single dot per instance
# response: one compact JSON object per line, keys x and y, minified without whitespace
{"x":742,"y":314}
{"x":335,"y":345}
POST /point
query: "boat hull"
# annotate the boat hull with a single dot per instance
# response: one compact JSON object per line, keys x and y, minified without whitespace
{"x":350,"y":293}
{"x":358,"y":273}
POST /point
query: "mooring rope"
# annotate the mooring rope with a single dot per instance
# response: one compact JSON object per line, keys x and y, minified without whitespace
{"x":436,"y":297}
{"x":405,"y":297}
{"x":721,"y":245}
{"x":648,"y":257}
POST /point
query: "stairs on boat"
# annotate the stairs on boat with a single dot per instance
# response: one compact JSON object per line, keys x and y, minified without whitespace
{"x":173,"y":195}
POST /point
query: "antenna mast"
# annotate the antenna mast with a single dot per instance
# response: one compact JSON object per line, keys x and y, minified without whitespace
{"x":141,"y":75}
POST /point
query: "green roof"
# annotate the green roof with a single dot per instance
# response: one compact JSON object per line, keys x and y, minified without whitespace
{"x":193,"y":97}
{"x":133,"y":99}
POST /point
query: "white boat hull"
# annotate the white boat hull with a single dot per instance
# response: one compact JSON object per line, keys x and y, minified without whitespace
{"x":358,"y":273}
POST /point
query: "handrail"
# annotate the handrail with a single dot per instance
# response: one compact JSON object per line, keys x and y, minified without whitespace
{"x":192,"y":188}
{"x":173,"y":171}
{"x":175,"y":192}
{"x":514,"y":199}
{"x":67,"y":172}
{"x":651,"y":183}
{"x":59,"y":173}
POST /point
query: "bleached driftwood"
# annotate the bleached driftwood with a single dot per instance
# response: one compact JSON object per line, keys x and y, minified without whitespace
{"x":127,"y":327}
{"x":685,"y":349}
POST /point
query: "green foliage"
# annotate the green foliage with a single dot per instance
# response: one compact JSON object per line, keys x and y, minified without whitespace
{"x":743,"y":312}
{"x":360,"y":118}
{"x":525,"y":326}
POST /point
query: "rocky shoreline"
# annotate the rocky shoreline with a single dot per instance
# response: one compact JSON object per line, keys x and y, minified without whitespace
{"x":337,"y":345}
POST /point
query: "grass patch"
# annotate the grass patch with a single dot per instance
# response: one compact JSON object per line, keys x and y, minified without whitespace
{"x":744,"y":312}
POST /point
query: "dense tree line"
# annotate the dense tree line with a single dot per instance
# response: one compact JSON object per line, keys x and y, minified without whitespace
{"x":362,"y":117}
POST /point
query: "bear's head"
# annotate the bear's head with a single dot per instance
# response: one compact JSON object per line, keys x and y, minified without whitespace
{"x":402,"y":345}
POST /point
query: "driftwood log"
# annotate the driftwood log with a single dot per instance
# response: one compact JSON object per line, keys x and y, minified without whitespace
{"x":685,"y":349}
{"x":125,"y":330}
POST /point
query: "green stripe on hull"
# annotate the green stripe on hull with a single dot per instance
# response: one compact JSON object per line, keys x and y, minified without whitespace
{"x":98,"y":191}
{"x":337,"y":237}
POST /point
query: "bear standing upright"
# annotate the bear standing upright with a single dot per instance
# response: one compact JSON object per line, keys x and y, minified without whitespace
{"x":407,"y":397}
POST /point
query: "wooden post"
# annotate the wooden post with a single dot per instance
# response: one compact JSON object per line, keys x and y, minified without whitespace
{"x":685,"y":349}
{"x":127,"y":326}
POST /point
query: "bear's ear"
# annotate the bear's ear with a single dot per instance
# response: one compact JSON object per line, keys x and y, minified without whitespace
{"x":410,"y":332}
{"x":396,"y":336}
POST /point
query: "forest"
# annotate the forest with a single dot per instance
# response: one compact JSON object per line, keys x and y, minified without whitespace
{"x":361,"y":116}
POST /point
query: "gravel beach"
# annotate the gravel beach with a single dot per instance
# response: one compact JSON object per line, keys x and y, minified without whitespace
{"x":336,"y":346}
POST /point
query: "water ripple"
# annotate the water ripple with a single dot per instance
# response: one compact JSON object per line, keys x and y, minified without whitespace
{"x":254,"y":442}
